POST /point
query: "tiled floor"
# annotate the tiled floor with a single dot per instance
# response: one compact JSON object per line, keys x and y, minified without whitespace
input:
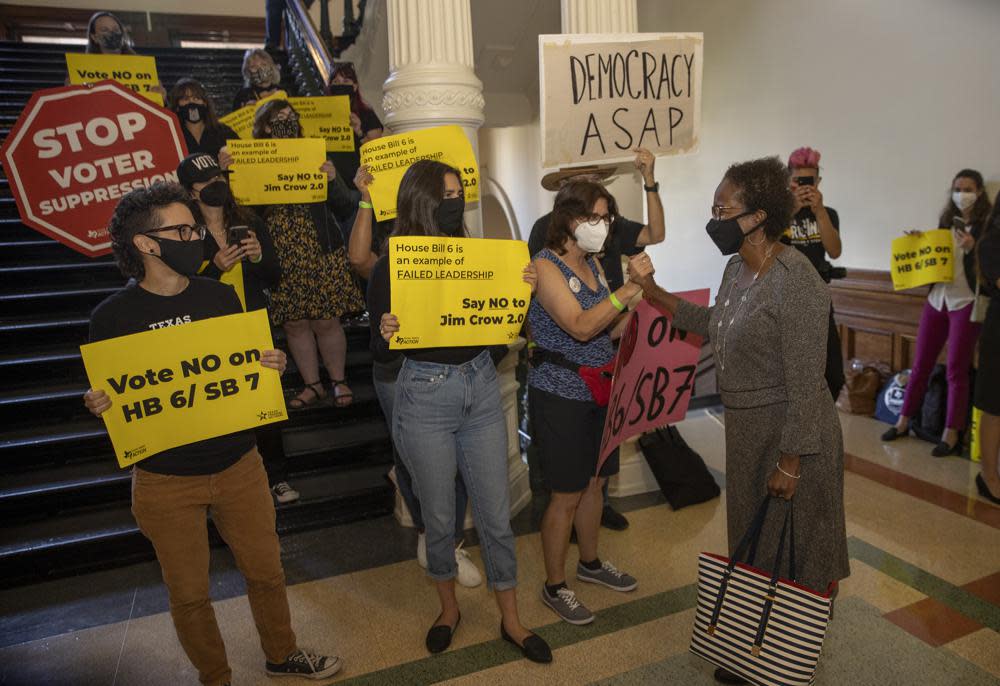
{"x":922,"y":605}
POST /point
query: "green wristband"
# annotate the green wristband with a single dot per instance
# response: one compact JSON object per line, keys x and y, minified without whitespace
{"x":616,"y":302}
{"x":366,"y":205}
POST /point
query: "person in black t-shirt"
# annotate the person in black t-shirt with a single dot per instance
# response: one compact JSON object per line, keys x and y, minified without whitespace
{"x":625,"y":238}
{"x":157,"y":244}
{"x":364,"y":121}
{"x":815,"y":232}
{"x":203,"y":132}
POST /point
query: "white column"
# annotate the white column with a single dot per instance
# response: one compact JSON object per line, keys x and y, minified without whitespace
{"x":432,"y":81}
{"x":599,"y":16}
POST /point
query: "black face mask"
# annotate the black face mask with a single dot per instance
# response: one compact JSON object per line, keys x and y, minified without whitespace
{"x":111,"y":41}
{"x":449,"y":215}
{"x":341,"y":89}
{"x":184,"y":257}
{"x":285,"y":128}
{"x":214,"y":194}
{"x":192,"y":112}
{"x":727,"y":234}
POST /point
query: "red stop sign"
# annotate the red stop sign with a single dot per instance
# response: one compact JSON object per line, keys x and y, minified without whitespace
{"x":75,"y":151}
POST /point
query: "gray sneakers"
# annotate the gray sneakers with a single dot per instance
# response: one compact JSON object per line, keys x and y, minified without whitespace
{"x":608,"y":576}
{"x":565,"y":604}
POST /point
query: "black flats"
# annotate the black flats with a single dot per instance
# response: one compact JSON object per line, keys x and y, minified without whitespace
{"x":440,"y":635}
{"x":942,"y":449}
{"x":984,"y":490}
{"x":893,"y":433}
{"x":534,"y":647}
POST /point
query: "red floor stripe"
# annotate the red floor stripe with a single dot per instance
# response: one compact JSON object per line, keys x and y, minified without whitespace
{"x":965,"y":505}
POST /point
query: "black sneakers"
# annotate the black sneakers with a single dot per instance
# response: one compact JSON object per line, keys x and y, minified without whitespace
{"x":610,"y":519}
{"x":306,"y":665}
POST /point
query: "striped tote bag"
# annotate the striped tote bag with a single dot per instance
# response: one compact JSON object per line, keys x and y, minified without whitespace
{"x":766,"y":629}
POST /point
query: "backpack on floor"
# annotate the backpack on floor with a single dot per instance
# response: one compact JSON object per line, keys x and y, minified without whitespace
{"x":889,"y":402}
{"x":929,"y":423}
{"x":679,"y":470}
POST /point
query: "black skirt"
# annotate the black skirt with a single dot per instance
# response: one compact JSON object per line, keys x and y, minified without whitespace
{"x":988,"y":375}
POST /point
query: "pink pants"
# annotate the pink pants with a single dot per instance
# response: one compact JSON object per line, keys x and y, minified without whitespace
{"x":936,"y":328}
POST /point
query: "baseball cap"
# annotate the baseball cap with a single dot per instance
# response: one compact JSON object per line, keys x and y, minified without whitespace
{"x":198,"y":168}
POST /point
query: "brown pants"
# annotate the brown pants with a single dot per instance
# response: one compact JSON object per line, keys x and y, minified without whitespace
{"x":171,"y":512}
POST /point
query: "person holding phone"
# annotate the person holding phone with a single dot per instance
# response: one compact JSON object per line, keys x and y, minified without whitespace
{"x":947,"y":317}
{"x":238,"y":246}
{"x":815,"y":232}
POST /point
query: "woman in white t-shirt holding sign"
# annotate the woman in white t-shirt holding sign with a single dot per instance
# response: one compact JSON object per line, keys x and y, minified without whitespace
{"x":947,"y":317}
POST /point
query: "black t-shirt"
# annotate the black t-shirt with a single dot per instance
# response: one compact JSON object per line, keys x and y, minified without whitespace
{"x":212,"y":140}
{"x":804,"y":235}
{"x":379,"y":301}
{"x":347,"y":163}
{"x":623,"y":239}
{"x":134,"y":309}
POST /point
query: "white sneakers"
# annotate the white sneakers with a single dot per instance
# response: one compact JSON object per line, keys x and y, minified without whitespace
{"x":468,"y":573}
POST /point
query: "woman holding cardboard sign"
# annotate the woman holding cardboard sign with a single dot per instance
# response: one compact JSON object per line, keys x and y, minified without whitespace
{"x":947,"y":317}
{"x":570,"y":319}
{"x":317,"y":287}
{"x":448,"y":418}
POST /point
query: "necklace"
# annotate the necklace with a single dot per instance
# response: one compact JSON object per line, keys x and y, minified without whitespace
{"x":720,"y":349}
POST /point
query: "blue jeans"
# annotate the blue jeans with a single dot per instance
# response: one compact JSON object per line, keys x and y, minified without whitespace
{"x":447,"y":420}
{"x":384,"y":378}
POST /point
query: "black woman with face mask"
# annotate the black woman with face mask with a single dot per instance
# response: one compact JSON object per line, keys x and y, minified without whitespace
{"x":448,"y":419}
{"x":573,"y":320}
{"x":261,"y":77}
{"x":317,"y":286}
{"x":203,"y":132}
{"x":768,"y":331}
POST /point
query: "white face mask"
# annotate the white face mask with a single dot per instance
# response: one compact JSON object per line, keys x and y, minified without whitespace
{"x":590,"y":236}
{"x":963,"y":201}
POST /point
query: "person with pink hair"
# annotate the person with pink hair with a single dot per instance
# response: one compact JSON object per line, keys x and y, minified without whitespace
{"x":815,"y":232}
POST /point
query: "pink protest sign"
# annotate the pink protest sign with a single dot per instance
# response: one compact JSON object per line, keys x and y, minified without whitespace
{"x":654,"y":374}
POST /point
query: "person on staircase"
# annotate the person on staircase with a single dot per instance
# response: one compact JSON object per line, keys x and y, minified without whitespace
{"x":106,"y":35}
{"x":203,"y":132}
{"x":369,"y":241}
{"x":947,"y":317}
{"x":448,"y":418}
{"x":573,"y":320}
{"x":238,"y":251}
{"x":261,"y":78}
{"x":317,"y":287}
{"x":625,"y":238}
{"x":364,"y":121}
{"x":158,"y":245}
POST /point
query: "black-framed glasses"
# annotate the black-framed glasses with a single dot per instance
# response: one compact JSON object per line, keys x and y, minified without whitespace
{"x":187,"y":232}
{"x":719,"y":210}
{"x":609,"y":218}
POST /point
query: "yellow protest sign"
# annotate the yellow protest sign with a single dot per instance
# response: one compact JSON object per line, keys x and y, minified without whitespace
{"x":975,"y":446}
{"x":920,"y":259}
{"x":241,"y":120}
{"x":136,"y":72}
{"x":389,"y":157}
{"x":277,"y":171}
{"x":327,"y":117}
{"x":181,"y":384}
{"x":457,"y":291}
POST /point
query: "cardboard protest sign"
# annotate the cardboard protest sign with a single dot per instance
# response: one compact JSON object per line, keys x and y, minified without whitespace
{"x":76,"y":151}
{"x":654,"y":374}
{"x":241,"y":120}
{"x":603,"y":95}
{"x":924,"y":258}
{"x":135,"y":72}
{"x":457,"y":291}
{"x":389,"y":157}
{"x":277,"y":171}
{"x":181,"y":384}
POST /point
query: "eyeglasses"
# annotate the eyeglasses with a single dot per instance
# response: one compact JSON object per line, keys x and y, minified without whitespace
{"x":719,"y":210}
{"x":609,"y":218}
{"x":187,"y":232}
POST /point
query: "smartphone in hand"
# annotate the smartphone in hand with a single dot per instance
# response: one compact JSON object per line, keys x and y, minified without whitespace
{"x":237,"y":234}
{"x":958,"y":224}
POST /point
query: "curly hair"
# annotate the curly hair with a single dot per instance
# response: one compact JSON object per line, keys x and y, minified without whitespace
{"x":762,"y":184}
{"x":138,"y":211}
{"x":574,"y":200}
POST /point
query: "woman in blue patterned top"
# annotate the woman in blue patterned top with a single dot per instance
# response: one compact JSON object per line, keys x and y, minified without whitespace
{"x":570,"y":321}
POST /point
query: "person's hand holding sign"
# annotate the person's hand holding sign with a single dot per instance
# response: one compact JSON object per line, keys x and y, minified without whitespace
{"x":362,"y":179}
{"x":644,"y":162}
{"x":328,"y":169}
{"x":274,"y":359}
{"x":97,"y":402}
{"x":388,"y":326}
{"x":531,"y":276}
{"x":356,"y":125}
{"x":225,"y":159}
